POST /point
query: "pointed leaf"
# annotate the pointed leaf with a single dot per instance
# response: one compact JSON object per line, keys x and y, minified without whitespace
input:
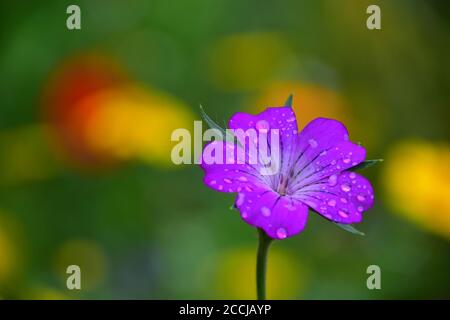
{"x":350,"y":228}
{"x":288,"y":102}
{"x":213,"y":125}
{"x":366,"y":164}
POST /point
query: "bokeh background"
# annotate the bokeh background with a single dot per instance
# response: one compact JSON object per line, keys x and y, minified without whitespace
{"x":85,"y":124}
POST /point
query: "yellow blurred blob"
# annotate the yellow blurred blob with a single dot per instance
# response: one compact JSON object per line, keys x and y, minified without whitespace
{"x":247,"y":61}
{"x":9,"y":255}
{"x":88,"y":256}
{"x":236,"y":277}
{"x":310,"y":102}
{"x":417,"y":181}
{"x":25,"y":155}
{"x":135,"y":122}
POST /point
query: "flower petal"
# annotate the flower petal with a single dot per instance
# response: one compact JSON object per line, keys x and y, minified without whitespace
{"x":341,"y":198}
{"x":279,"y":216}
{"x":282,"y":123}
{"x":329,"y":162}
{"x":318,"y":136}
{"x":226,"y":175}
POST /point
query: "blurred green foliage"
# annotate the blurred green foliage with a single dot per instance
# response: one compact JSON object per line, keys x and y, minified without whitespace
{"x":153,"y":232}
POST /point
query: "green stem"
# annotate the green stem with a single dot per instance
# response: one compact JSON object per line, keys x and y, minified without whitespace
{"x":261,"y":264}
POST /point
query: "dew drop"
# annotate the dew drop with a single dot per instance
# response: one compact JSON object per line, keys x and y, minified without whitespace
{"x":332,"y":180}
{"x":227,"y":180}
{"x":213,"y":182}
{"x":346,"y":160}
{"x":262,"y":124}
{"x":343,"y":214}
{"x":360,"y":209}
{"x":240,"y":199}
{"x":332,"y":203}
{"x":361,"y":198}
{"x":265,"y":211}
{"x":281,"y":233}
{"x":290,"y":207}
{"x":352,"y":175}
{"x":242,"y":178}
{"x":313,"y":143}
{"x":345,"y":187}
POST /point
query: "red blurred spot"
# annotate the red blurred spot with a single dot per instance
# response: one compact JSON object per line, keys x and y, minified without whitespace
{"x":75,"y":80}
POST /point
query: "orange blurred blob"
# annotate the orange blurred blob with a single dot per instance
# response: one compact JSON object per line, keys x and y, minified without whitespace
{"x":73,"y":81}
{"x":99,"y":117}
{"x":310,"y":102}
{"x":135,"y":122}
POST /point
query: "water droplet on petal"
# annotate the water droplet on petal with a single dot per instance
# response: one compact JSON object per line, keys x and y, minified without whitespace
{"x":242,"y":178}
{"x":345,"y":187}
{"x":352,"y":175}
{"x":332,"y":203}
{"x":220,"y":187}
{"x":360,"y":209}
{"x":332,"y":180}
{"x":213,"y":182}
{"x":244,"y":215}
{"x":346,"y":160}
{"x":227,"y":180}
{"x":265,"y":211}
{"x":281,"y":233}
{"x":240,"y":199}
{"x":313,"y":143}
{"x":343,"y":214}
{"x":290,"y":207}
{"x":361,"y":198}
{"x":343,"y":200}
{"x":262,"y":124}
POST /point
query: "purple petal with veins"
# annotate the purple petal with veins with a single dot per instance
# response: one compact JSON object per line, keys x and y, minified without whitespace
{"x":311,"y":173}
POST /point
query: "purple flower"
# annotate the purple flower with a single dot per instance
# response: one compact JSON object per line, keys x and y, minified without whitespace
{"x":312,"y":173}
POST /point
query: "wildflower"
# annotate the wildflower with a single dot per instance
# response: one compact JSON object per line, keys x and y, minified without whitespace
{"x":313,"y":173}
